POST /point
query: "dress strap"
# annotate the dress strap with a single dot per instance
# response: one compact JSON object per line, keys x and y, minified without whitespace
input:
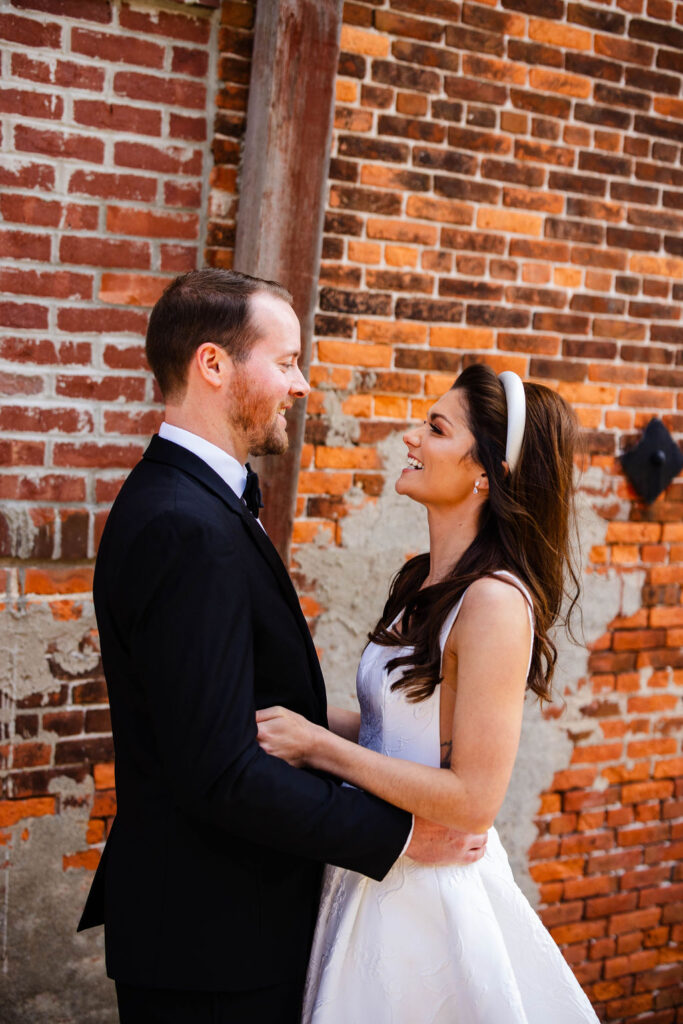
{"x":453,"y":613}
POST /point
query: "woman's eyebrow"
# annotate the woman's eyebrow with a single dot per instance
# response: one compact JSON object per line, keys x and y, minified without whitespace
{"x":439,"y":416}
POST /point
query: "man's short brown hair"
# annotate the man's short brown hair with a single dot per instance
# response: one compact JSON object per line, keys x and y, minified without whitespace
{"x":204,"y":305}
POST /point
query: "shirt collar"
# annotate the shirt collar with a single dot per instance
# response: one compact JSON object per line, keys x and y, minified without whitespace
{"x":228,"y":468}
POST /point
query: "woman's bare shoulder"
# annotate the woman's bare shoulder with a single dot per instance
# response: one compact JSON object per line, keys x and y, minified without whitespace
{"x":492,"y":605}
{"x":496,"y":594}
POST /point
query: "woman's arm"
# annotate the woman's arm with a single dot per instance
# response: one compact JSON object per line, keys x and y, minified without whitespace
{"x":344,"y":723}
{"x":491,"y":636}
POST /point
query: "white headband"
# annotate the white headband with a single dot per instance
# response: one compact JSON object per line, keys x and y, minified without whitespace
{"x":516,"y":403}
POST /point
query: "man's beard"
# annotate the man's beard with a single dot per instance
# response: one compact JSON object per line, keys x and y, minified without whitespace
{"x":248,"y":414}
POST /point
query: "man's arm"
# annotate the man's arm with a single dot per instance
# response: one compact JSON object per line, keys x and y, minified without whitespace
{"x":191,"y":645}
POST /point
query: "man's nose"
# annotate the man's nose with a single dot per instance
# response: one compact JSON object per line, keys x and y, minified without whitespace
{"x":300,"y":386}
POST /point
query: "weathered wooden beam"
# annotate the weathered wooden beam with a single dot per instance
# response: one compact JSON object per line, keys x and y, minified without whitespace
{"x":282,"y":192}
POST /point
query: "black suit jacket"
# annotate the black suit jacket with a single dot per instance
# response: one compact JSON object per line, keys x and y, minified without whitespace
{"x":210,"y":876}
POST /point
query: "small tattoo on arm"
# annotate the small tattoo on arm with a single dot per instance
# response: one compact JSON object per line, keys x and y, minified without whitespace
{"x":446,"y":751}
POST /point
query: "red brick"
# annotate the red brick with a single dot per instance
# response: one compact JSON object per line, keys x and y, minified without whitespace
{"x":130,"y":357}
{"x":579,"y":931}
{"x":669,"y":769}
{"x":107,"y":46}
{"x":31,"y":104}
{"x":29,"y":31}
{"x":23,"y":315}
{"x":638,"y":919}
{"x":166,"y":160}
{"x":113,"y":186}
{"x":58,"y":144}
{"x":149,"y":223}
{"x":132,"y":289}
{"x":632,"y":964}
{"x":22,"y":245}
{"x":599,"y":752}
{"x":86,"y":10}
{"x":145,"y":423}
{"x":186,"y":61}
{"x":22,"y":453}
{"x":182,"y":193}
{"x":624,"y":860}
{"x":193,"y":128}
{"x":99,"y":252}
{"x":104,"y":804}
{"x":61,"y":284}
{"x":660,"y":895}
{"x":31,"y":175}
{"x":88,"y":859}
{"x":51,"y":487}
{"x":161,"y":89}
{"x":31,"y":755}
{"x":178,"y":258}
{"x":189,"y":27}
{"x":117,"y":117}
{"x":104,"y":389}
{"x":40,"y":419}
{"x":14,"y":811}
{"x":604,"y":906}
{"x":596,"y":885}
{"x":91,"y":455}
{"x":80,"y":76}
{"x":63,"y":723}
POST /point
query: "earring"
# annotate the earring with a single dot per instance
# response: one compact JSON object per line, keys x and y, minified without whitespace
{"x":476,"y":487}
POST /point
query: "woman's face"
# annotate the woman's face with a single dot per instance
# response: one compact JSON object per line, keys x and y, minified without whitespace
{"x":440,"y":471}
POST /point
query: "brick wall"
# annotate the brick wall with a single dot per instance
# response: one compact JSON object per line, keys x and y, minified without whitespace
{"x":505,"y":185}
{"x":104,"y":165}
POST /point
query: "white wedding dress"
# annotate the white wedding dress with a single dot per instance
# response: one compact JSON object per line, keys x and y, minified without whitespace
{"x":431,"y":945}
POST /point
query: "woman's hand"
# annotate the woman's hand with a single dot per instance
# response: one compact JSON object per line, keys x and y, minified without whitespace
{"x":286,"y":735}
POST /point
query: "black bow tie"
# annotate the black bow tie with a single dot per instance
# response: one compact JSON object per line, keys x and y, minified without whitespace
{"x":252,"y":492}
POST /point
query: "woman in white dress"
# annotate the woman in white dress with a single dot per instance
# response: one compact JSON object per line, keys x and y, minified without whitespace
{"x":441,"y":685}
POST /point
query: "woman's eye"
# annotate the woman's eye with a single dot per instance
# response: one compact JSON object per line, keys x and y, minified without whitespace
{"x":434,"y":429}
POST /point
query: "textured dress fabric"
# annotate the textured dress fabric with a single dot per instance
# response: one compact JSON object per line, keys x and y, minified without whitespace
{"x":431,"y":945}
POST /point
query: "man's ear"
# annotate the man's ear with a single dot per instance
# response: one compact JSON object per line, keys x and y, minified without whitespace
{"x":213,"y":364}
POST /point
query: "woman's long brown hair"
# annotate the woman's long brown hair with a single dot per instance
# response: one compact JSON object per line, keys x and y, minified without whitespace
{"x":524,"y":527}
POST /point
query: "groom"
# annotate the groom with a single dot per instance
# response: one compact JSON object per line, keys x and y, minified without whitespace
{"x":208,"y":885}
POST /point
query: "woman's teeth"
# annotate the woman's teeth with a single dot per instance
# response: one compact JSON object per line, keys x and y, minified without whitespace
{"x":415,"y":463}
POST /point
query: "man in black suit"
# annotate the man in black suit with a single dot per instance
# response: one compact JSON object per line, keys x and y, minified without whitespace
{"x":209,"y":881}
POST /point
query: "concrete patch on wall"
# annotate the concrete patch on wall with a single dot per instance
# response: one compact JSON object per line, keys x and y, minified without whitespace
{"x":33,"y":643}
{"x":352,"y":581}
{"x":49,"y":972}
{"x":351,"y":584}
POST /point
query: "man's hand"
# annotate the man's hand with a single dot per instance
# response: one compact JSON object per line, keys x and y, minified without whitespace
{"x":435,"y":844}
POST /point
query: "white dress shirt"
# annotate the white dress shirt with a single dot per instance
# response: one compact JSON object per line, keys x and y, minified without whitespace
{"x":228,"y":468}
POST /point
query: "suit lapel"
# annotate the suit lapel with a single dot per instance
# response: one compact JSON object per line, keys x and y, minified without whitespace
{"x":161,"y":450}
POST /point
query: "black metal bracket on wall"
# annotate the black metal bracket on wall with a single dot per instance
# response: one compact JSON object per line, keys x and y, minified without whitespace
{"x":653,"y":462}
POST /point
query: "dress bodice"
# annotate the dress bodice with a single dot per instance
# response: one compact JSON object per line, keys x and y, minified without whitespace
{"x":393,"y":725}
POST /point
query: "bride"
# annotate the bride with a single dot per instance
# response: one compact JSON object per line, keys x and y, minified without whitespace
{"x":441,"y":685}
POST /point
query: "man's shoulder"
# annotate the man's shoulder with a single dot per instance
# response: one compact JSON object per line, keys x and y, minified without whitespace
{"x":158,"y":498}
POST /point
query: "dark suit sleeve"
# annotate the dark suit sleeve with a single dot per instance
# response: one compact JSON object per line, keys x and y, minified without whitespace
{"x":192,"y":648}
